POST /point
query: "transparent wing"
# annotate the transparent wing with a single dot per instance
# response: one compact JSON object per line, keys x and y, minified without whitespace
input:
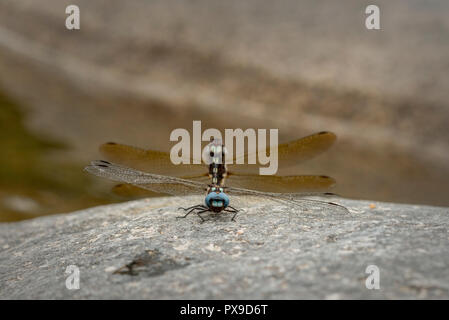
{"x":148,"y":160}
{"x":280,"y":184}
{"x":131,"y":191}
{"x":178,"y":186}
{"x":153,"y":182}
{"x":296,"y":199}
{"x":289,"y":154}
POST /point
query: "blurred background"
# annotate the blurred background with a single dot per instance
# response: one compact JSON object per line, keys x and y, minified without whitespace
{"x":138,"y":69}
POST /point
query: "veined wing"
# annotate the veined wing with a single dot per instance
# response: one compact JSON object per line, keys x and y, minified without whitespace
{"x":296,"y":199}
{"x":153,"y":182}
{"x":179,"y":186}
{"x":280,"y":184}
{"x":131,"y":191}
{"x":148,"y":160}
{"x":291,"y":153}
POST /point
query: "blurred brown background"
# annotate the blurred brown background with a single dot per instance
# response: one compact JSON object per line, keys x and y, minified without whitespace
{"x":138,"y":69}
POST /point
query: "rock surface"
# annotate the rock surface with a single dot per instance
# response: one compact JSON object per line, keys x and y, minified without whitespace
{"x":139,"y":250}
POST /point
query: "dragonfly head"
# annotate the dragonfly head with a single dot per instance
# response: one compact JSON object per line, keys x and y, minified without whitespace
{"x":216,"y":199}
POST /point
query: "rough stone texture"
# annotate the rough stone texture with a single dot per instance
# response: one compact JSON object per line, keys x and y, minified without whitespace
{"x":139,"y":250}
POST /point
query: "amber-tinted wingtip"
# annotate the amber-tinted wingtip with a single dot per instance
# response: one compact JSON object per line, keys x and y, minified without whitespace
{"x":327,"y":133}
{"x":107,"y":144}
{"x":331,"y":136}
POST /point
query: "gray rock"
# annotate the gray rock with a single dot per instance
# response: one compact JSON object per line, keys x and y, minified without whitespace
{"x":139,"y":250}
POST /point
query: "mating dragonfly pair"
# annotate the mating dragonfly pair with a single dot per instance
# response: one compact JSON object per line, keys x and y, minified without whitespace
{"x":133,"y":166}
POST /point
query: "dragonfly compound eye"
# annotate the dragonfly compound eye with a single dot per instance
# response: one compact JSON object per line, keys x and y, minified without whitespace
{"x":217,"y":200}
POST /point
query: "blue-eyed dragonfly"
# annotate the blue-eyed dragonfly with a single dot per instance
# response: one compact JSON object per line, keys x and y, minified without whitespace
{"x":133,"y":165}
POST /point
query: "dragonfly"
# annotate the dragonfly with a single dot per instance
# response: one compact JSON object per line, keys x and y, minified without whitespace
{"x":139,"y":169}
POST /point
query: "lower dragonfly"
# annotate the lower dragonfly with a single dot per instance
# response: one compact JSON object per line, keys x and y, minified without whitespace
{"x":242,"y":181}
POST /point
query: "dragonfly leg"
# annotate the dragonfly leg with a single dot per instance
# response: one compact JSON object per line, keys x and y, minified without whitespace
{"x":185,"y":216}
{"x":232,"y":210}
{"x":235,"y":215}
{"x":199,"y":215}
{"x":195,"y":206}
{"x":190,"y":211}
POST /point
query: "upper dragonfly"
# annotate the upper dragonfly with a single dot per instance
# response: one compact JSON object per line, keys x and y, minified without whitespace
{"x":224,"y":179}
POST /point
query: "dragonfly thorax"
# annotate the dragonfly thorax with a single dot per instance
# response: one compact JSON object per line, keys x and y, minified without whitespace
{"x":216,"y":155}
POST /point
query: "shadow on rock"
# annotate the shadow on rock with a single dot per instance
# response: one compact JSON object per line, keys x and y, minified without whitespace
{"x":151,"y":263}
